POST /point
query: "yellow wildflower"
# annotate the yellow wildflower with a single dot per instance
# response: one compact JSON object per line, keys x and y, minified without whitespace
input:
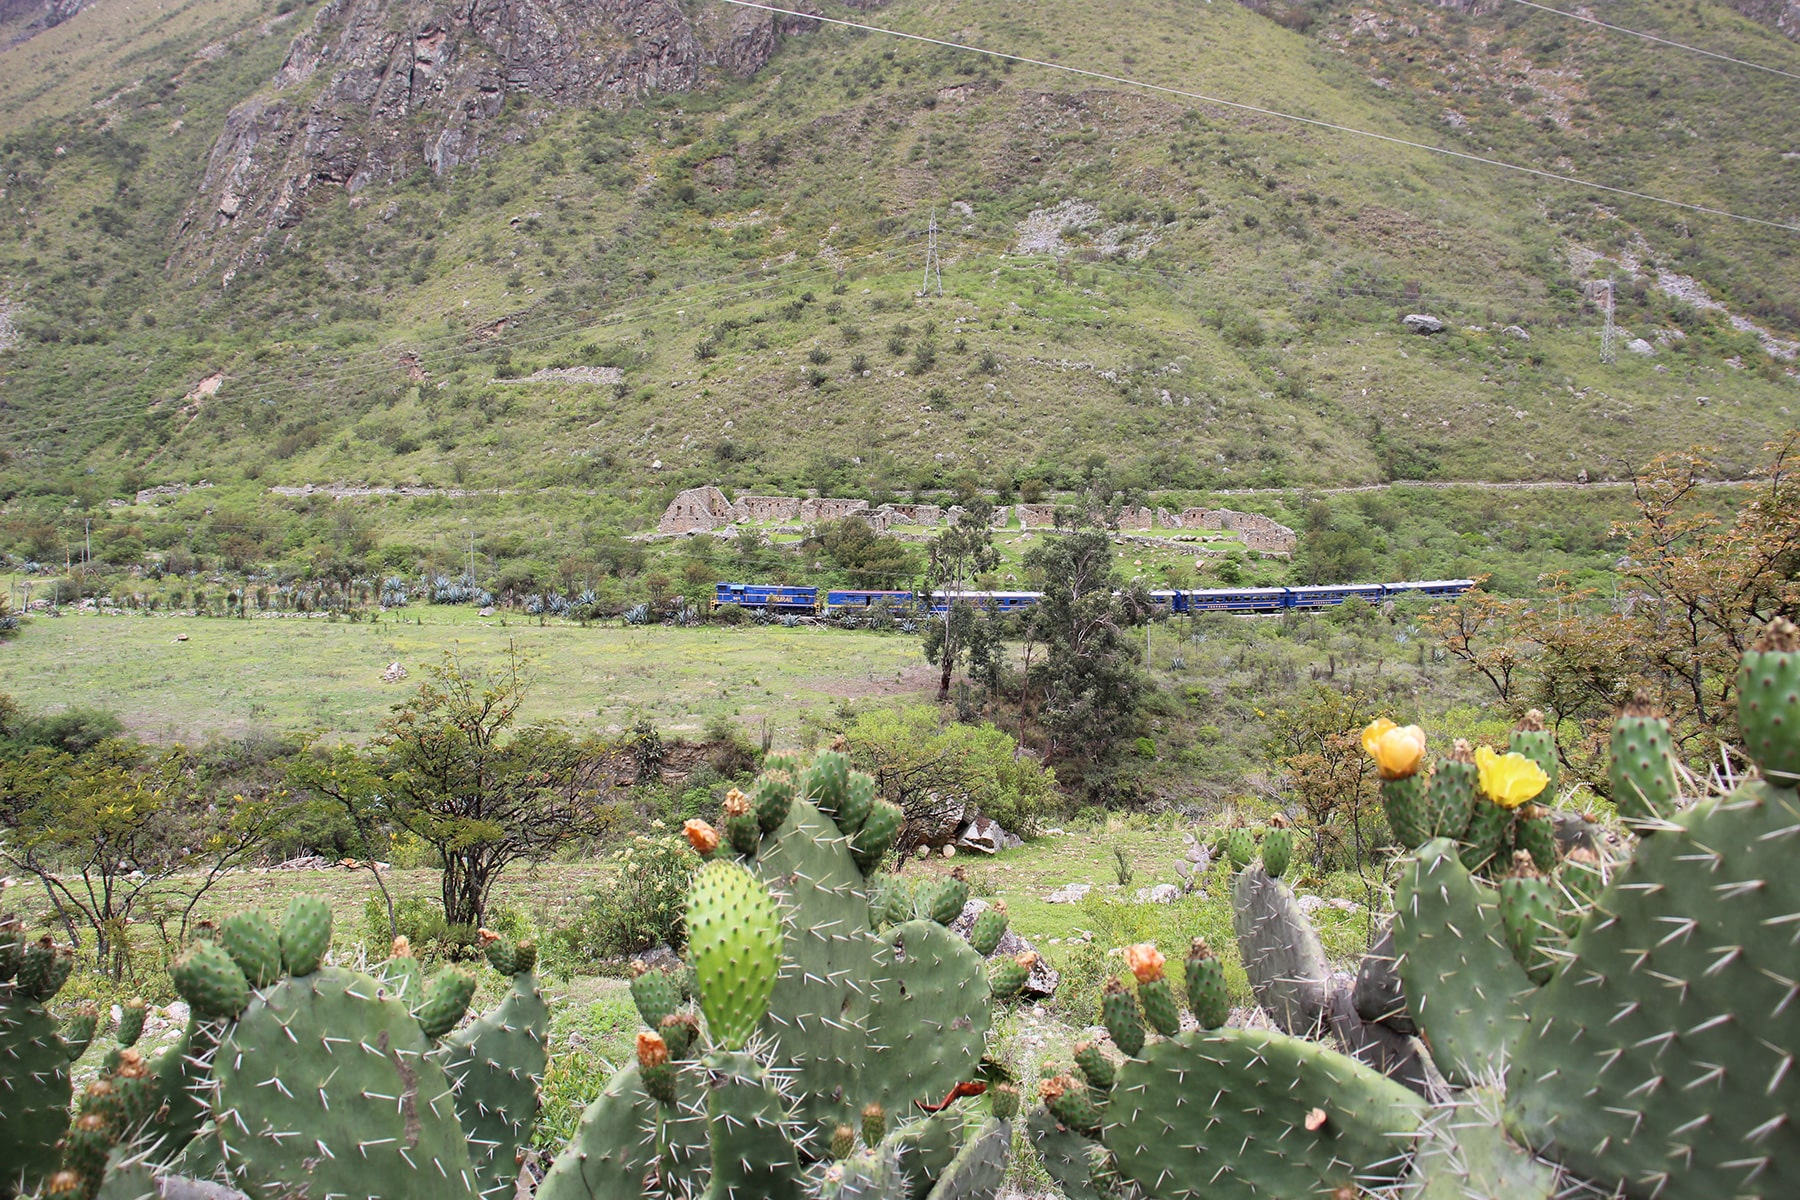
{"x":1509,"y":780}
{"x":1398,"y":750}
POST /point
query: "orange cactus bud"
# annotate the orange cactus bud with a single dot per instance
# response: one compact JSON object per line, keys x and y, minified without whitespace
{"x":1145,"y":961}
{"x":652,"y":1051}
{"x":701,"y":836}
{"x":736,"y":803}
{"x":1028,"y":960}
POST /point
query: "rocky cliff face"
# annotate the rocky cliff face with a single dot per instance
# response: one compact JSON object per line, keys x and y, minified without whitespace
{"x":31,"y":17}
{"x":377,"y":88}
{"x":1776,"y":14}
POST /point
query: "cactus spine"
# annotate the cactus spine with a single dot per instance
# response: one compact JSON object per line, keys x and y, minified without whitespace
{"x":34,"y":1058}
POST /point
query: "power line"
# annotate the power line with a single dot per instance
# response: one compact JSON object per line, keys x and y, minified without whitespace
{"x":1203,"y":98}
{"x":1661,"y":41}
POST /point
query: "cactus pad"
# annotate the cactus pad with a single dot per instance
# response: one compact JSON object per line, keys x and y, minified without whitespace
{"x":930,"y":1016}
{"x":1662,"y":1054}
{"x":734,"y":939}
{"x":495,"y":1064}
{"x":1464,"y":987}
{"x":1642,"y":771}
{"x":321,"y":1080}
{"x":34,"y":1078}
{"x":254,"y":945}
{"x":1769,"y":702}
{"x":210,"y":981}
{"x":751,"y":1131}
{"x":979,"y":1168}
{"x":1403,"y":800}
{"x":988,"y":929}
{"x":613,"y":1147}
{"x":305,"y":934}
{"x":1451,"y":795}
{"x":1240,"y":847}
{"x":1252,"y":1113}
{"x":1281,"y":952}
{"x":1208,"y":997}
{"x":1123,"y":1019}
{"x":1066,"y":1155}
{"x":1277,"y":851}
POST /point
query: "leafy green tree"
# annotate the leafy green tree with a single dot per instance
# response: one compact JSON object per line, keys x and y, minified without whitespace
{"x":344,"y":782}
{"x":462,"y":780}
{"x":116,"y":836}
{"x":1315,"y":742}
{"x":1088,"y":683}
{"x":1696,"y":587}
{"x":958,"y":555}
{"x":929,"y":766}
{"x":867,"y":559}
{"x":975,"y":635}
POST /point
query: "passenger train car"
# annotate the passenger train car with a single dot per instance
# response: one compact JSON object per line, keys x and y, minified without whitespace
{"x":783,"y":598}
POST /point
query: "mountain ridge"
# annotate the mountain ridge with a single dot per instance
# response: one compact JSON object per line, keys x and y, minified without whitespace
{"x":1207,"y":297}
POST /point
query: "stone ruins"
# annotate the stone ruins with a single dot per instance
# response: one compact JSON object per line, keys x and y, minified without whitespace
{"x":702,"y":509}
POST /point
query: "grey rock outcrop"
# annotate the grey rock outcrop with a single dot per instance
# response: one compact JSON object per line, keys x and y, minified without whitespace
{"x":378,"y":89}
{"x":1782,"y":15}
{"x":1043,"y":978}
{"x":38,"y":15}
{"x":1422,"y":323}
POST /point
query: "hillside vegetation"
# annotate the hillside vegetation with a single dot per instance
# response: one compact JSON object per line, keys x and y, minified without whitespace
{"x":1205,"y":297}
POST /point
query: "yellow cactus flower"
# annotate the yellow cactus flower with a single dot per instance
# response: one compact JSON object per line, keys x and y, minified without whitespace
{"x":1398,"y":750}
{"x":1510,"y":779}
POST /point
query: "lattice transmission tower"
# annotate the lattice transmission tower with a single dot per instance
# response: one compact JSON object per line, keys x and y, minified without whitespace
{"x":934,"y":263}
{"x":1609,"y":335}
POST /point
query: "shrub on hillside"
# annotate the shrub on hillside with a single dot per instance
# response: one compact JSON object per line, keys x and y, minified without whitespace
{"x":640,"y":908}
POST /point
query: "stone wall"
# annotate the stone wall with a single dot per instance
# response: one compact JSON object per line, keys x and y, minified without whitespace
{"x":817,"y":512}
{"x":705,"y":508}
{"x":1135,"y":518}
{"x":766,"y":508}
{"x":914,"y":514}
{"x":1258,"y":532}
{"x":695,"y":510}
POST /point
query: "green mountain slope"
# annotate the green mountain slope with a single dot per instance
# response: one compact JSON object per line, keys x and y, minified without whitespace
{"x":1204,"y":296}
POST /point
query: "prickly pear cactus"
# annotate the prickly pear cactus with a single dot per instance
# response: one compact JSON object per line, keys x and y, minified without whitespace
{"x":979,"y":1168}
{"x":496,"y":1064}
{"x":1281,"y":951}
{"x":1251,"y":1113}
{"x":34,"y":1059}
{"x":734,"y":939}
{"x":1466,"y":991}
{"x":858,"y":1016}
{"x":830,"y":993}
{"x":1769,"y":702}
{"x":1659,"y":1057}
{"x":322,"y":1077}
{"x":1642,"y":772}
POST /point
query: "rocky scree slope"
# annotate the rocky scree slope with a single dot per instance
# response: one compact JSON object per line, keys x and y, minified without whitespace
{"x":376,"y":90}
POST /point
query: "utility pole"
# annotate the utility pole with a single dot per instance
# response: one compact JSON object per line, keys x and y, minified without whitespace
{"x":1609,"y":336}
{"x":934,"y":266}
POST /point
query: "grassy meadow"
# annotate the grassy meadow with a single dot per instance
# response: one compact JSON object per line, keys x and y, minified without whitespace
{"x":175,"y":678}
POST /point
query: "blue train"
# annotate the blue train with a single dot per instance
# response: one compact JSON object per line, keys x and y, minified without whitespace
{"x":782,"y":598}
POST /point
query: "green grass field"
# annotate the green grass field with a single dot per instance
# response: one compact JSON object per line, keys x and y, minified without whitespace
{"x":232,"y":677}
